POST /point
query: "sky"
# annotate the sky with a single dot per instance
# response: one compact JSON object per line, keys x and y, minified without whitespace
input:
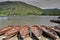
{"x":44,"y":4}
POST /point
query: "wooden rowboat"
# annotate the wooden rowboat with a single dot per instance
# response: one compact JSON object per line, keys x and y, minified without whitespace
{"x":5,"y":29}
{"x":51,"y":33}
{"x":11,"y":33}
{"x":36,"y":31}
{"x":55,"y":20}
{"x":56,"y":28}
{"x":24,"y":31}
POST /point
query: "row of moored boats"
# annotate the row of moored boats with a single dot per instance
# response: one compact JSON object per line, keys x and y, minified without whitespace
{"x":26,"y":31}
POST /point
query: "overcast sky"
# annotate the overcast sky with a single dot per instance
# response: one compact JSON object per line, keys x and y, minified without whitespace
{"x":42,"y":3}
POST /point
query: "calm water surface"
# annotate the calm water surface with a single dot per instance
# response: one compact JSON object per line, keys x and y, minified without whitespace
{"x":26,"y":20}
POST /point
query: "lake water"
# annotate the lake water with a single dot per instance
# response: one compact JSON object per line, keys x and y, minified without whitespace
{"x":26,"y":20}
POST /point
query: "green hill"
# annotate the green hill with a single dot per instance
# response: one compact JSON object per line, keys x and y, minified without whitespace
{"x":18,"y":8}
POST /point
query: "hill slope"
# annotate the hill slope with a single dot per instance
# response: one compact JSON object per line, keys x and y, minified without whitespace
{"x":18,"y":8}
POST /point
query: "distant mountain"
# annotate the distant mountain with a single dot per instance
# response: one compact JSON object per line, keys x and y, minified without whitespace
{"x":54,"y":11}
{"x":18,"y":8}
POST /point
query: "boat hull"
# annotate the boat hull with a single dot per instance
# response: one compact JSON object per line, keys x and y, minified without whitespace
{"x":5,"y":29}
{"x":51,"y":33}
{"x":36,"y":31}
{"x":55,"y":20}
{"x":9,"y":34}
{"x":56,"y":28}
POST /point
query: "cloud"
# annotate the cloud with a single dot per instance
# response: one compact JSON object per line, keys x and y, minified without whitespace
{"x":42,"y":3}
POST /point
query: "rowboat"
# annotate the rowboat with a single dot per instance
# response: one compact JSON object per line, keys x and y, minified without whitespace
{"x":37,"y":32}
{"x":55,"y":28}
{"x":24,"y":31}
{"x":51,"y":33}
{"x":5,"y":29}
{"x":55,"y":20}
{"x":12,"y":32}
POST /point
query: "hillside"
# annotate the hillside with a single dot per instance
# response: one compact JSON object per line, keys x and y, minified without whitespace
{"x":18,"y":8}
